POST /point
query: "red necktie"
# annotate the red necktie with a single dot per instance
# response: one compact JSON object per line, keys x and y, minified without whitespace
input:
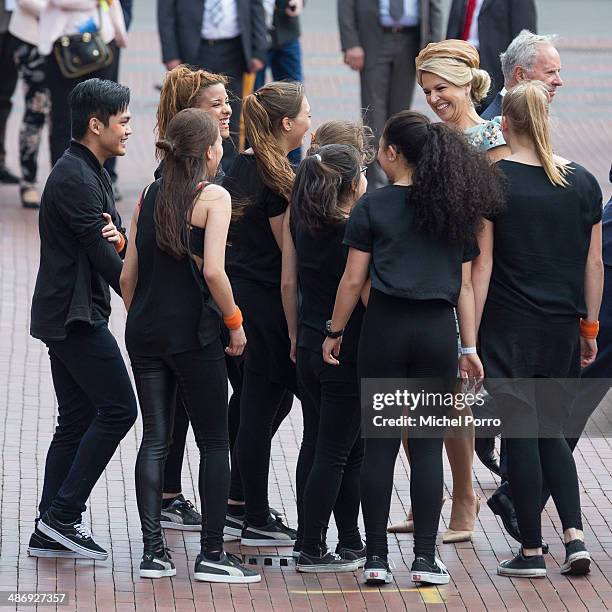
{"x":469,"y":15}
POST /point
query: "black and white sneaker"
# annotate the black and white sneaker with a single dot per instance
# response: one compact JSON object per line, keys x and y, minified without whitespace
{"x":157,"y":564}
{"x":577,"y":559}
{"x":350,"y":554}
{"x":274,"y":533}
{"x":426,"y":572}
{"x":233,"y":527}
{"x":181,"y":514}
{"x":523,"y":567}
{"x":76,"y":536}
{"x":377,"y":571}
{"x":228,"y":568}
{"x":42,"y":546}
{"x":297,"y":549}
{"x":325,"y":562}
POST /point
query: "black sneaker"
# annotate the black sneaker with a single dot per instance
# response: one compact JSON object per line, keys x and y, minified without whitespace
{"x":157,"y":564}
{"x":8,"y":177}
{"x":577,"y":559}
{"x":426,"y":572}
{"x":274,"y":533}
{"x":42,"y":546}
{"x":377,"y":571}
{"x":181,"y":514}
{"x":523,"y":567}
{"x":325,"y":562}
{"x":76,"y":536}
{"x":233,"y":526}
{"x":351,"y":554}
{"x":297,"y":549}
{"x":227,"y":569}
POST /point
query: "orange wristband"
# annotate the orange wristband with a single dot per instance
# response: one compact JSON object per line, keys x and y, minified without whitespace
{"x":235,"y":321}
{"x":589,"y":329}
{"x":119,"y":245}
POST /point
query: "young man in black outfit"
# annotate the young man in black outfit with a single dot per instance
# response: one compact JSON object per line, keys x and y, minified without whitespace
{"x":80,"y":257}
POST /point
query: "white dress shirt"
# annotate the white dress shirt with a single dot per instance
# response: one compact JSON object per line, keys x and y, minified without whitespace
{"x":473,"y":36}
{"x":230,"y":25}
{"x":409,"y":18}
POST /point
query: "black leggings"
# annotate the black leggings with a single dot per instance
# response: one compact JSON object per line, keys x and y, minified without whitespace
{"x":403,"y":338}
{"x":263,"y":406}
{"x":533,"y":461}
{"x":202,"y":384}
{"x":176,"y":452}
{"x":330,"y":457}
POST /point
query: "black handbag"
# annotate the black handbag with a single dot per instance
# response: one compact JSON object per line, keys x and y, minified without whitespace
{"x":80,"y":54}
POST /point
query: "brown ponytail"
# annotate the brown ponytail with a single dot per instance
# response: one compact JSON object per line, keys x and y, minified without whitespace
{"x":263,"y":113}
{"x":526,"y":109}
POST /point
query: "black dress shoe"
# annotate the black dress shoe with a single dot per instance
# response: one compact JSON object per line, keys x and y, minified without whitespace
{"x":502,"y":505}
{"x":7,"y":177}
{"x":485,"y":451}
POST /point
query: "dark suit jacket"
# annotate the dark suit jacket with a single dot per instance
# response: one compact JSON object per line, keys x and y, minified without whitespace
{"x":494,"y":109}
{"x":180,"y":29}
{"x":499,"y":22}
{"x":285,"y":28}
{"x":360,"y":25}
{"x":126,"y":7}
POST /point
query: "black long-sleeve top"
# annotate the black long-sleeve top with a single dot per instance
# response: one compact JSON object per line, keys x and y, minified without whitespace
{"x":77,"y":264}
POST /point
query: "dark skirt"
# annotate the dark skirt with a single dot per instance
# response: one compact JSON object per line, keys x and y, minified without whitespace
{"x":536,"y":349}
{"x":268,"y":346}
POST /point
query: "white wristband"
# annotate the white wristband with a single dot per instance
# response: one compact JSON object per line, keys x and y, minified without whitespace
{"x":468,"y":350}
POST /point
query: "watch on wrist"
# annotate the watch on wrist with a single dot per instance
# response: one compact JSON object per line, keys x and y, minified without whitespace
{"x":332,"y":334}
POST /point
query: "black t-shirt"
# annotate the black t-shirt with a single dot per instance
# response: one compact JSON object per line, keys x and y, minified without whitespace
{"x":253,"y":252}
{"x":321,"y":260}
{"x":406,"y":262}
{"x":541,"y":240}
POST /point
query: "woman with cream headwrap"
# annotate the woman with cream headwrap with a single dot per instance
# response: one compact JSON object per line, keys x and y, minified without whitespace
{"x":449,"y":73}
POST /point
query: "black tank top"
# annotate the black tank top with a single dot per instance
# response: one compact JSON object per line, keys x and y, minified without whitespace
{"x":321,"y":258}
{"x":172,"y":311}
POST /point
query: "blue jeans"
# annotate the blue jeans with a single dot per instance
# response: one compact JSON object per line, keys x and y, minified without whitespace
{"x":285,"y":62}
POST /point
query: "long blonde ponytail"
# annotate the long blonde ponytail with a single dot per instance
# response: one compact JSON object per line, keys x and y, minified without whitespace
{"x":526,"y":109}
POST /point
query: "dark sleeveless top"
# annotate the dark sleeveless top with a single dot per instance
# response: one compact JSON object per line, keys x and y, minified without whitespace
{"x":172,"y":311}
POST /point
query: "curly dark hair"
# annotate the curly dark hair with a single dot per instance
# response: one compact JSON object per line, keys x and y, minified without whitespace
{"x":453,"y":184}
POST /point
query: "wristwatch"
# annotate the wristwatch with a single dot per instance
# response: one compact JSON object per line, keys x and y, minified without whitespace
{"x":332,"y":334}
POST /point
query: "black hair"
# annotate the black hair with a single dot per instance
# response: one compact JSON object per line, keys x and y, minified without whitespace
{"x":322,"y":182}
{"x":95,"y":98}
{"x":453,"y":183}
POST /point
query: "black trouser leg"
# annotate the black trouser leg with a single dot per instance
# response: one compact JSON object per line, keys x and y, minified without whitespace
{"x":332,"y":484}
{"x":90,"y":360}
{"x":37,"y":105}
{"x":405,"y":339}
{"x":8,"y":82}
{"x":157,"y":391}
{"x":202,"y":384}
{"x":174,"y":461}
{"x":260,"y":404}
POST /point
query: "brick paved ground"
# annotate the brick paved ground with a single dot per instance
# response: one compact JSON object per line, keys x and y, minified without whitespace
{"x":27,"y":406}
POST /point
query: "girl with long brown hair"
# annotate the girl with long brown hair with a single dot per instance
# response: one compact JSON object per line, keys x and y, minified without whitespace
{"x":175,"y":288}
{"x":539,"y":322}
{"x":276,"y":118}
{"x":187,"y":87}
